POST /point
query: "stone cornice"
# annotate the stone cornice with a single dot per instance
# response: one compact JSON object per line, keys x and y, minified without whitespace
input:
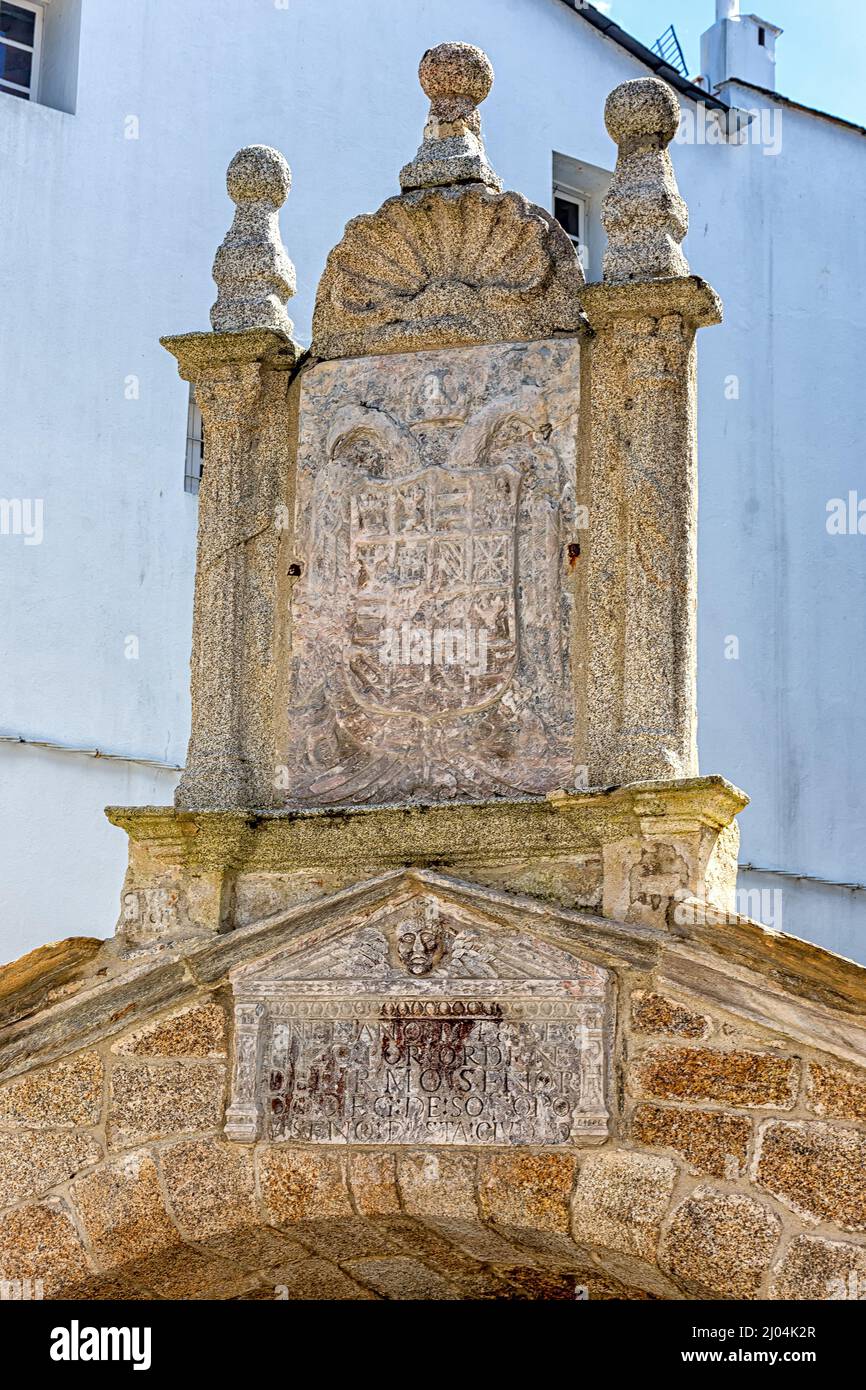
{"x":457,"y":834}
{"x":687,"y":295}
{"x":199,"y":352}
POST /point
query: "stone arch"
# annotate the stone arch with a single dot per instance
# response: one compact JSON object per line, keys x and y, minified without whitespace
{"x":395,"y":1257}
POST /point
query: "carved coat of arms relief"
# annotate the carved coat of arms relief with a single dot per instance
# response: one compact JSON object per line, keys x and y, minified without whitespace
{"x":430,"y":627}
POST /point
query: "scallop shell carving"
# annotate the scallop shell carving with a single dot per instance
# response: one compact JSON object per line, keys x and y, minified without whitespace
{"x":447,"y":267}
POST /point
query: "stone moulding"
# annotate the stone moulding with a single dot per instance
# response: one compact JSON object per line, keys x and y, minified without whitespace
{"x":447,"y":267}
{"x":197,"y":352}
{"x":459,"y":833}
{"x":688,"y":295}
{"x":26,"y":985}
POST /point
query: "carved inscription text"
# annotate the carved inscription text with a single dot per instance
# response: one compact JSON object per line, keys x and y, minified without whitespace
{"x":422,"y":1025}
{"x":475,"y":1078}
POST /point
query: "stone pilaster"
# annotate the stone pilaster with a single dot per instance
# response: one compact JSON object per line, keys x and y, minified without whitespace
{"x":240,"y":372}
{"x":640,"y":462}
{"x":242,"y":1116}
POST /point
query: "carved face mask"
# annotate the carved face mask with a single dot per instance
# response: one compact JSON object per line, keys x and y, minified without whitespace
{"x":420,"y":951}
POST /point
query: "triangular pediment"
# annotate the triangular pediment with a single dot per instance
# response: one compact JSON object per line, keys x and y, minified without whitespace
{"x":416,"y":936}
{"x":416,"y":1006}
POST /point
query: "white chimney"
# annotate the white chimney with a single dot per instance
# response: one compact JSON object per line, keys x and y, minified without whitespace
{"x":739,"y":46}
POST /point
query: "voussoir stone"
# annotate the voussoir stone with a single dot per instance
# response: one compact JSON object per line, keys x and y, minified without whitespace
{"x":720,"y":1244}
{"x":303,"y":1184}
{"x":620,"y":1201}
{"x":196,"y":1032}
{"x":438,"y":1184}
{"x":155,"y":1101}
{"x":39,"y":1242}
{"x":122,"y":1210}
{"x":654,"y":1014}
{"x":527,"y":1189}
{"x":816,"y":1169}
{"x":739,"y":1078}
{"x":210,"y":1186}
{"x":32,"y":1161}
{"x":836,"y":1094}
{"x":373,"y":1179}
{"x":816,"y":1269}
{"x":315,"y":1280}
{"x":709,"y":1140}
{"x":402,"y":1278}
{"x":66,"y":1095}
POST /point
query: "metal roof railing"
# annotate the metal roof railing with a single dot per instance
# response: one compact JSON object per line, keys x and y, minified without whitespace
{"x":668,"y":48}
{"x":660,"y":66}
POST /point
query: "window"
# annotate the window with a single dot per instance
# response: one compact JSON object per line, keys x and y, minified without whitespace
{"x":569,"y":209}
{"x":762,"y":37}
{"x":194,"y":446}
{"x":20,"y":40}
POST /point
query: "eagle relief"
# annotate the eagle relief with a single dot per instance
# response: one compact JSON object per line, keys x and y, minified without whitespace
{"x":428,"y":650}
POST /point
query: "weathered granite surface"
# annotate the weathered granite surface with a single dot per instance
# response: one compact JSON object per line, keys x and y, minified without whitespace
{"x":348,"y":1049}
{"x":252,"y":271}
{"x":430,"y":645}
{"x":473,"y":1032}
{"x":456,"y":77}
{"x":453,"y":260}
{"x":644,"y":216}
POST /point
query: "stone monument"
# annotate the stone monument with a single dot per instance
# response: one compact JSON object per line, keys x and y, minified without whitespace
{"x":446,"y":574}
{"x":433,"y":971}
{"x":445,"y":571}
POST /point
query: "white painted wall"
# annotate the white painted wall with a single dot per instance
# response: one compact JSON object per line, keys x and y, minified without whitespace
{"x":108,"y":243}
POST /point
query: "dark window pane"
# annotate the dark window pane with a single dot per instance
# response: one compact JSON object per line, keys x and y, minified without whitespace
{"x":567,"y":215}
{"x":15,"y":65}
{"x":13,"y":93}
{"x":17,"y":24}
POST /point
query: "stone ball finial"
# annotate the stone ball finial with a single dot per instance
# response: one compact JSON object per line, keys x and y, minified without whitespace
{"x":259,"y":173}
{"x":456,"y":71}
{"x":456,"y":77}
{"x":253,"y":273}
{"x":643,"y":214}
{"x":643,"y":107}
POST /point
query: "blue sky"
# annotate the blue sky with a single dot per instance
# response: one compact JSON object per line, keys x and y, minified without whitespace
{"x":820,"y":58}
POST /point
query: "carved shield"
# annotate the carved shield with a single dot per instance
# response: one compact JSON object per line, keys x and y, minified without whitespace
{"x":433,"y":628}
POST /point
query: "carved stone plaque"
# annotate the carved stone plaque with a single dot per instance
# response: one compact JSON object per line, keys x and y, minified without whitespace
{"x":429,"y":652}
{"x":423,"y":1025}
